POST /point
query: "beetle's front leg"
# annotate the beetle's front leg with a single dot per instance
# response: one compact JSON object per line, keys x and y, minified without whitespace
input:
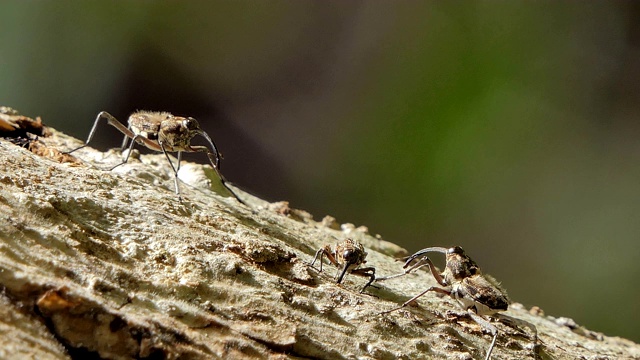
{"x":175,"y":170}
{"x":416,"y":266}
{"x":433,"y":288}
{"x":215,"y":163}
{"x":319,"y":254}
{"x":369,"y":272}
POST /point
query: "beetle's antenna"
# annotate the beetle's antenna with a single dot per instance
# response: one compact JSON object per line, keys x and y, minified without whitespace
{"x":216,"y":163}
{"x":424,"y":251}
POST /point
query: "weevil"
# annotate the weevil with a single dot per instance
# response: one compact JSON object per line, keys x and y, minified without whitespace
{"x":162,"y":131}
{"x":479,"y":294}
{"x":350,"y":255}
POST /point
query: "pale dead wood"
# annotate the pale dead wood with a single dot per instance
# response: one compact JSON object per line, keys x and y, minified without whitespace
{"x":112,"y":264}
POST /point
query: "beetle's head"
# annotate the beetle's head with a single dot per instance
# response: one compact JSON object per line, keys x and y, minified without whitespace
{"x":191,"y":124}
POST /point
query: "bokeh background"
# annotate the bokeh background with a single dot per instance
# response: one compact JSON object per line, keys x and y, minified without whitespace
{"x":509,"y":128}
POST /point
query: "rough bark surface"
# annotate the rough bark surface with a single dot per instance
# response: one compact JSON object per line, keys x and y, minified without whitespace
{"x":110,"y":264}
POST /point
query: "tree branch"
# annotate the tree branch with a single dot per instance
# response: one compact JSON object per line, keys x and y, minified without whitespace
{"x":112,"y":264}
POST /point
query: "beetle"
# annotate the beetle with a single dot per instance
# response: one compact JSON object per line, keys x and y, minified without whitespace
{"x":164,"y":132}
{"x":479,"y":294}
{"x":350,"y":255}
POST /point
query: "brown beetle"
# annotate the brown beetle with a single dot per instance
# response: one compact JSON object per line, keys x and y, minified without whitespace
{"x":350,"y":255}
{"x":162,"y":131}
{"x":479,"y":294}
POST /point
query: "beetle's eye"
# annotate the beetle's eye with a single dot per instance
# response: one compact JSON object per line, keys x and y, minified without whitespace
{"x":190,"y":123}
{"x":455,"y":250}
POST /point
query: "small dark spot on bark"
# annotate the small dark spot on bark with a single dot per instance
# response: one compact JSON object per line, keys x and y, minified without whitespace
{"x":116,"y":324}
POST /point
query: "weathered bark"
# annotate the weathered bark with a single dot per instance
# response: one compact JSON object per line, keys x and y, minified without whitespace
{"x":112,"y":264}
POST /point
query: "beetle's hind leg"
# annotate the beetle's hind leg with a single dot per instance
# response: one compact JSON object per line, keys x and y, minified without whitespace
{"x":174,"y":168}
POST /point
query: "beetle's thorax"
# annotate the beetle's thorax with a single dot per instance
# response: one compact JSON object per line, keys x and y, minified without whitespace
{"x":173,"y":132}
{"x":459,"y":266}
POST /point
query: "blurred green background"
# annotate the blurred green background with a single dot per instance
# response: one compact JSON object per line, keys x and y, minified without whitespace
{"x":508,"y":128}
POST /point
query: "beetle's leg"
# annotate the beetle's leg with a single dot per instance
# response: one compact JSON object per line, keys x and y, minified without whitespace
{"x":124,"y":161}
{"x":102,"y":115}
{"x":126,"y":138}
{"x":214,"y":151}
{"x":520,"y":323}
{"x":175,"y":180}
{"x":422,"y":262}
{"x":320,"y":253}
{"x":175,"y":172}
{"x":151,"y":144}
{"x":118,"y":125}
{"x":215,"y":163}
{"x":369,"y":272}
{"x":416,"y":266}
{"x":435,"y":274}
{"x":324,"y":251}
{"x":433,"y":288}
{"x":487,"y":326}
{"x":344,"y":270}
